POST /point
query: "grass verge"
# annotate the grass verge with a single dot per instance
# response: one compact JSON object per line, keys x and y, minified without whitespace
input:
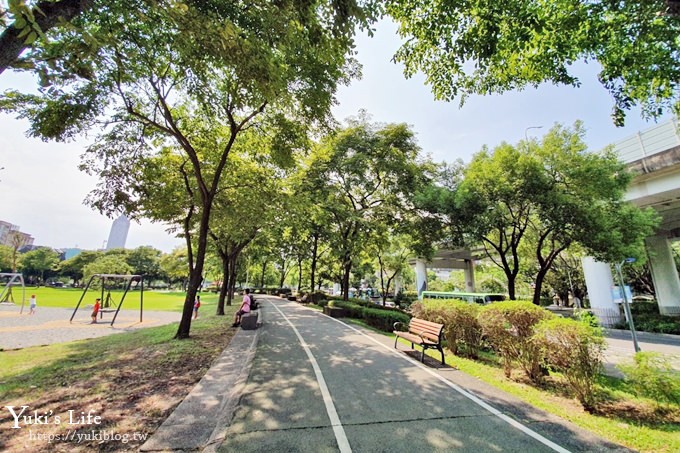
{"x":132,"y":381}
{"x":621,"y":417}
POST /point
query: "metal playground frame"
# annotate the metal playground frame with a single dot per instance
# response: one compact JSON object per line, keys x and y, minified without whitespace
{"x":108,"y":301}
{"x":6,"y":294}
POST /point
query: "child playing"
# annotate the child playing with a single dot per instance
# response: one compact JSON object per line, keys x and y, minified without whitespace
{"x":33,"y":304}
{"x":197,"y":305}
{"x":95,"y":311}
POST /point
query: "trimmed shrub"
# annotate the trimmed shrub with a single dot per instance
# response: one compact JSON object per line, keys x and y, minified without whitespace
{"x":405,"y":299}
{"x":587,"y":317}
{"x":374,"y":316}
{"x":644,"y":308}
{"x":575,"y":349}
{"x":509,"y":327}
{"x":652,"y":376}
{"x":317,"y":296}
{"x":461,"y":328}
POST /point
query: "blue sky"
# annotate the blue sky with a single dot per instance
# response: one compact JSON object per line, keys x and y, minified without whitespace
{"x":42,"y":188}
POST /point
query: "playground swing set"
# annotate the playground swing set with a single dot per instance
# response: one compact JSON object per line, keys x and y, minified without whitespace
{"x":108,"y":304}
{"x":13,"y":279}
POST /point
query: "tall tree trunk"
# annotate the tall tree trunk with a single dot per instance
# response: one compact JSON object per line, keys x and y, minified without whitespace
{"x":232,"y":277}
{"x":264,"y":271}
{"x":299,"y":275}
{"x":382,"y":280}
{"x":346,"y":275}
{"x":196,"y":274}
{"x":283,"y":274}
{"x":540,"y":277}
{"x":511,"y":285}
{"x":315,"y":249}
{"x":223,"y":287}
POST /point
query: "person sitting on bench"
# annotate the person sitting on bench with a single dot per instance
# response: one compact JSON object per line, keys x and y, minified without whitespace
{"x":245,"y":308}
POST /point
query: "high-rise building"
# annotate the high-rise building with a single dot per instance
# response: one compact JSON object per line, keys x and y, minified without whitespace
{"x":11,"y":236}
{"x":118,"y":234}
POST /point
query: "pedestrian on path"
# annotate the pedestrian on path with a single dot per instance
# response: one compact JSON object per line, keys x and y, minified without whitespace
{"x":245,"y":308}
{"x":33,"y":303}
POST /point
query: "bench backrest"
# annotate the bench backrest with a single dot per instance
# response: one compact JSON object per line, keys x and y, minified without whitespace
{"x":427,"y":329}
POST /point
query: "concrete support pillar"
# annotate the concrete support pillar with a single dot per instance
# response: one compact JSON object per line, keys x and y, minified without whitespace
{"x":599,"y":282}
{"x":469,"y":276}
{"x":421,"y":276}
{"x":398,"y":283}
{"x":664,"y":275}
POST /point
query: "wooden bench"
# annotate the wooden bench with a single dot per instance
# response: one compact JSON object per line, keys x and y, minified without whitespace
{"x":424,"y":333}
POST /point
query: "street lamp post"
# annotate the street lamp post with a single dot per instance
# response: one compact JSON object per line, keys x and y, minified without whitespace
{"x":626,"y":306}
{"x":526,"y":137}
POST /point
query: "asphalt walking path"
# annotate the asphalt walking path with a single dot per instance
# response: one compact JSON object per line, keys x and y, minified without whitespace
{"x":305,"y":382}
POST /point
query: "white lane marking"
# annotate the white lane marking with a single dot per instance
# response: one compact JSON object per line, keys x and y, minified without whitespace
{"x":526,"y":430}
{"x":339,"y":431}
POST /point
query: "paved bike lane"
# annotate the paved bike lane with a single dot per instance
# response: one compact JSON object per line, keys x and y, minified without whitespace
{"x":361,"y":397}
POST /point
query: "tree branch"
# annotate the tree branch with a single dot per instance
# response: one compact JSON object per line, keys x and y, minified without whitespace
{"x":53,"y":13}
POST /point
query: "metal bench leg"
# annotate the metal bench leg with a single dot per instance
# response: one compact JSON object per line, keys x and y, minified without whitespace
{"x":422,"y":356}
{"x":396,"y":337}
{"x":442,"y":351}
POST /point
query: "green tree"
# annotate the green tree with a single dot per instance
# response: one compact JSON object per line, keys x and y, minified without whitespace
{"x":582,"y":202}
{"x":107,"y":264}
{"x":364,"y":176}
{"x":175,"y":266}
{"x":245,"y":205}
{"x":16,"y":242}
{"x":189,"y":78}
{"x":74,"y":267}
{"x":39,"y":261}
{"x":5,"y":258}
{"x":392,"y":253}
{"x":493,"y":205}
{"x":545,"y":197}
{"x":467,"y":48}
{"x":145,"y":260}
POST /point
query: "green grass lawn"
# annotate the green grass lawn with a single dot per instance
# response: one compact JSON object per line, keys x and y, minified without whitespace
{"x":153,"y":300}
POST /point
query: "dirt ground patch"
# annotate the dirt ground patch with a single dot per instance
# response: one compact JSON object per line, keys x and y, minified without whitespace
{"x":51,"y":325}
{"x":131,"y":382}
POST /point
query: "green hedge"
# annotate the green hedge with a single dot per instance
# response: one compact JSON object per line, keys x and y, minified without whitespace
{"x":527,"y":335}
{"x":462,"y":330}
{"x":653,"y":322}
{"x":374,"y":316}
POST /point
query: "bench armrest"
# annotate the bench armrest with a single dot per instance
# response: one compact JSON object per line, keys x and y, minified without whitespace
{"x":397,"y":325}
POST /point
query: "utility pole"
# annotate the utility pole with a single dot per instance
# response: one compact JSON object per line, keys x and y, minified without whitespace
{"x":626,"y":306}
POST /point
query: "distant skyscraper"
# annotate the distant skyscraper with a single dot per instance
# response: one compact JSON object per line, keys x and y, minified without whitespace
{"x":118,"y":234}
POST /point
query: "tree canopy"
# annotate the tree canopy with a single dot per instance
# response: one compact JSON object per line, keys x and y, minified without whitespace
{"x":187,"y":79}
{"x":544,"y":197}
{"x":481,"y":47}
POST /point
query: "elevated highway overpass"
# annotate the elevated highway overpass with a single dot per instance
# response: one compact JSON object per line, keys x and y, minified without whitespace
{"x":653,"y":155}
